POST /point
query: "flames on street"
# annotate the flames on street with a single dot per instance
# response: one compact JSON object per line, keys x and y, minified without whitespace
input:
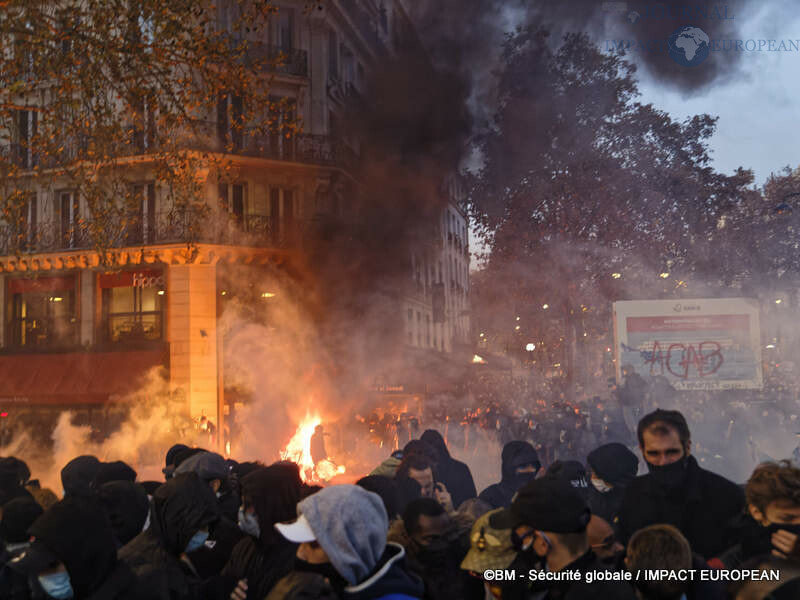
{"x":298,"y":450}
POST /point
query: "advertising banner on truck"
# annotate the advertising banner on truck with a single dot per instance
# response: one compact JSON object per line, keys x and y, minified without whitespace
{"x":704,"y":344}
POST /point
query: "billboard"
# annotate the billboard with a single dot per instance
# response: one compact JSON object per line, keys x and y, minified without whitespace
{"x":703,"y":344}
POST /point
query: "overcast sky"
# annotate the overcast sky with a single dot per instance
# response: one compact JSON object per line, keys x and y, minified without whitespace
{"x":758,"y":110}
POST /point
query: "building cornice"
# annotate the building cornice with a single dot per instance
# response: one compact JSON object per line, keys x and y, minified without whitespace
{"x":117,"y":258}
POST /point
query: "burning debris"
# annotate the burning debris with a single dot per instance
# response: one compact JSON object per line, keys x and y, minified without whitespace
{"x":314,"y":467}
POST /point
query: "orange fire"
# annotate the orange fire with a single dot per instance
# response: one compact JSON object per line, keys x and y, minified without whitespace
{"x":298,"y":450}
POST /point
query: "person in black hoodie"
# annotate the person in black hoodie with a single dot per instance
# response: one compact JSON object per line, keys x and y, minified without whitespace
{"x":114,"y":471}
{"x":520,"y":465}
{"x":454,"y":474}
{"x":127,"y":507}
{"x":182,"y":510}
{"x":213,"y":469}
{"x":78,"y":476}
{"x":73,"y":555}
{"x":269,"y":495}
{"x":18,"y":515}
{"x":12,"y":479}
{"x":612,"y":467}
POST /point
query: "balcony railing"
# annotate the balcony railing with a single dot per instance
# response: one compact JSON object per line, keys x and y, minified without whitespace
{"x":291,"y":61}
{"x":185,"y":226}
{"x":303,"y":148}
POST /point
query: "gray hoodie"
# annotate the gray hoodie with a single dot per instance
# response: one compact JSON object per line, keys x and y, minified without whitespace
{"x":350,"y":525}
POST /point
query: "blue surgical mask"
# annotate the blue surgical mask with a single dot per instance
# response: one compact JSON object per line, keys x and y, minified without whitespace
{"x":197,"y":541}
{"x":57,"y":585}
{"x":248,"y":522}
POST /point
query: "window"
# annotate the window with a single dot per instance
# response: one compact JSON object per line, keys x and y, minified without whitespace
{"x":133,"y":306}
{"x":282,"y":207}
{"x":25,"y":219}
{"x":285,"y":28}
{"x":362,"y":78}
{"x":333,"y":55}
{"x":348,"y":65}
{"x":143,"y":131}
{"x":230,"y":122}
{"x":67,"y":210}
{"x":428,"y":328}
{"x":26,"y":125}
{"x":42,"y":312}
{"x":142,"y":211}
{"x":410,"y":315}
{"x":229,"y":16}
{"x":384,"y":18}
{"x":280,"y":122}
{"x":233,"y":200}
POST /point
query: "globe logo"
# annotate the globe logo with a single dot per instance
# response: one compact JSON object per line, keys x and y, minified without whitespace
{"x":689,"y":46}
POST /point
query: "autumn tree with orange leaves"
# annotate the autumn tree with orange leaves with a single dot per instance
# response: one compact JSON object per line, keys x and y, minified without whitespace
{"x":94,"y":91}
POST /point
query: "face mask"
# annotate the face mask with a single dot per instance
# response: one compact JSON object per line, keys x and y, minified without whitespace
{"x":520,"y":479}
{"x":760,"y":542}
{"x":670,"y":475}
{"x":434,"y":554}
{"x":57,"y":585}
{"x":327,"y":570}
{"x":601,"y":486}
{"x":218,"y":494}
{"x":197,"y":541}
{"x":249,"y":524}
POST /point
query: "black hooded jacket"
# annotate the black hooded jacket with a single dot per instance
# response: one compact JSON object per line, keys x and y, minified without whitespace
{"x":78,"y":476}
{"x":180,"y":508}
{"x":454,"y":474}
{"x":127,"y":506}
{"x":274,"y":493}
{"x":80,"y":535}
{"x":11,"y":477}
{"x":515,"y":454}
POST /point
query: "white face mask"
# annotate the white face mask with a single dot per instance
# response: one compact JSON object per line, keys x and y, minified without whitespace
{"x":601,"y":486}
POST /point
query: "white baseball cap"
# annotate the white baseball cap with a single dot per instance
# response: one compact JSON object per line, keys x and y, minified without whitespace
{"x":298,"y":531}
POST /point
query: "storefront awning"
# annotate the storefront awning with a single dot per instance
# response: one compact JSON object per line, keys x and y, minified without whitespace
{"x":76,"y":377}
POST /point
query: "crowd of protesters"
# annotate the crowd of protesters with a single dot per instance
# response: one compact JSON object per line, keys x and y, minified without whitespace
{"x":417,"y":527}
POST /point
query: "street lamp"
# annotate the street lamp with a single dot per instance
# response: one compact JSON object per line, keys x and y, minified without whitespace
{"x":530,"y":347}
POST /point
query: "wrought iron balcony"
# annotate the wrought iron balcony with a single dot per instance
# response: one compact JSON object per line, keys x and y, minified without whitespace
{"x":303,"y":148}
{"x":178,"y":226}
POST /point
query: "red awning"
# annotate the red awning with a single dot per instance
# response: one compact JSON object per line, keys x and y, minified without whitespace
{"x":74,"y":378}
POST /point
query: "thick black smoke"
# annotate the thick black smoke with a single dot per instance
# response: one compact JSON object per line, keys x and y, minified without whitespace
{"x":465,"y":35}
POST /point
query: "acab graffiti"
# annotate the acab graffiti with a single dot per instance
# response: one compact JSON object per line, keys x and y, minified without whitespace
{"x":685,"y":360}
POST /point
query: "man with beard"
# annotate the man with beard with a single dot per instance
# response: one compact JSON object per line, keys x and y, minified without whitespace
{"x":435,"y":544}
{"x":771,"y":524}
{"x":612,"y":467}
{"x":520,"y":465}
{"x":699,"y":503}
{"x":548,"y":519}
